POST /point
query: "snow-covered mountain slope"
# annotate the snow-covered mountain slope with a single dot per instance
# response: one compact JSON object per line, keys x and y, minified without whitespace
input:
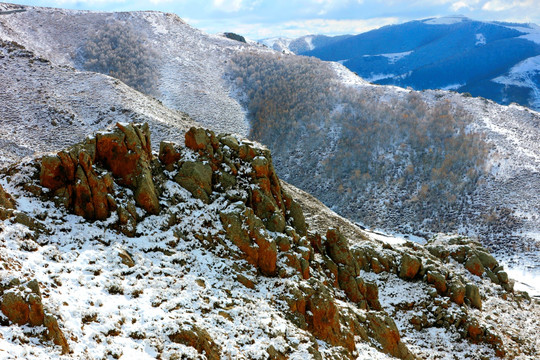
{"x":490,"y":59}
{"x":499,"y":205}
{"x":212,"y":274}
{"x":45,"y":106}
{"x":191,"y":63}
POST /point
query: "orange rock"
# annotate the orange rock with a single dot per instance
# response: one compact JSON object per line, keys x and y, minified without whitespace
{"x":15,"y":308}
{"x":474,"y":265}
{"x":52,"y":173}
{"x":409,"y":266}
{"x":198,"y":139}
{"x":113,"y":153}
{"x":5,"y":199}
{"x":384,"y":331}
{"x":167,"y":153}
{"x":438,"y":280}
{"x":55,"y":334}
{"x":474,"y":331}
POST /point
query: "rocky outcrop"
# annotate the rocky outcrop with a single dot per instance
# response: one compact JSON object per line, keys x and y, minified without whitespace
{"x":82,"y":178}
{"x":127,"y":153}
{"x":21,"y":304}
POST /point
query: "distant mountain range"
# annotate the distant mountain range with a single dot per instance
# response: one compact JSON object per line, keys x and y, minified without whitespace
{"x":495,"y":60}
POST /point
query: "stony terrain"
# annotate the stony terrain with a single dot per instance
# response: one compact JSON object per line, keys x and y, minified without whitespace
{"x":219,"y":256}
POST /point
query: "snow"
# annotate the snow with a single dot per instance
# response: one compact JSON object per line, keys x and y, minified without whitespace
{"x":446,"y":20}
{"x":522,"y":74}
{"x":309,"y":42}
{"x":393,"y":57}
{"x":452,"y":87}
{"x":82,"y":277}
{"x":394,"y":238}
{"x":525,"y":280}
{"x":532,"y":32}
{"x":376,"y":77}
{"x":480,"y":40}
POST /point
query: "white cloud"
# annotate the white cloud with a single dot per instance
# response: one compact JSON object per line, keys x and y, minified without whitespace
{"x":293,"y":29}
{"x":505,"y":5}
{"x":464,"y":4}
{"x":228,"y":5}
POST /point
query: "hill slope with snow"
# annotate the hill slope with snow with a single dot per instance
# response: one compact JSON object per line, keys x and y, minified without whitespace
{"x":210,"y":273}
{"x":190,"y":62}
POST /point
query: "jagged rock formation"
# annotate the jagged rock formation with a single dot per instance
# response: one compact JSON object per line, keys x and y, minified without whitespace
{"x":125,"y":153}
{"x":115,"y":180}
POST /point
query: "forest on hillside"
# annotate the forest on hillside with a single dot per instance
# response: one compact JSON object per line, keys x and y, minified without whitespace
{"x":373,"y":159}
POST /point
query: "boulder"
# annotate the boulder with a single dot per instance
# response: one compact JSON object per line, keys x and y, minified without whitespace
{"x":22,"y":305}
{"x":456,"y":292}
{"x":487,"y":260}
{"x":6,"y":201}
{"x":383,"y":329}
{"x":196,"y":178}
{"x":438,"y":280}
{"x":297,"y":218}
{"x":472,"y":294}
{"x":410,"y":265}
{"x":198,"y":338}
{"x":168,"y":153}
{"x":52,"y":172}
{"x":337,"y":248}
{"x":199,"y":139}
{"x":474,"y":265}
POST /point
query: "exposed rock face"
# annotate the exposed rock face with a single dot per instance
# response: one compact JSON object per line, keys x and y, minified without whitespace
{"x":83,"y":176}
{"x":127,"y":152}
{"x":384,"y":330}
{"x":21,"y":304}
{"x":409,"y":267}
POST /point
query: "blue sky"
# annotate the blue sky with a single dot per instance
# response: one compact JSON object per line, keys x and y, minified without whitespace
{"x":258,"y":19}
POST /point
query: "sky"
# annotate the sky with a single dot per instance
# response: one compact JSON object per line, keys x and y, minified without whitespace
{"x":259,"y":19}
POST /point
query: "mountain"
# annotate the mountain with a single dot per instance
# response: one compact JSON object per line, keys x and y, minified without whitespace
{"x":302,"y":44}
{"x":389,"y":159}
{"x":495,"y":60}
{"x":119,"y":244}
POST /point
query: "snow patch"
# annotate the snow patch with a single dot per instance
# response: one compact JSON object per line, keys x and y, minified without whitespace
{"x":446,"y":20}
{"x":452,"y":87}
{"x":393,"y":57}
{"x":480,"y":40}
{"x":376,"y":77}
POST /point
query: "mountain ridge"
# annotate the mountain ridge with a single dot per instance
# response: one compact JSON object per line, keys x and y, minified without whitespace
{"x":416,"y":54}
